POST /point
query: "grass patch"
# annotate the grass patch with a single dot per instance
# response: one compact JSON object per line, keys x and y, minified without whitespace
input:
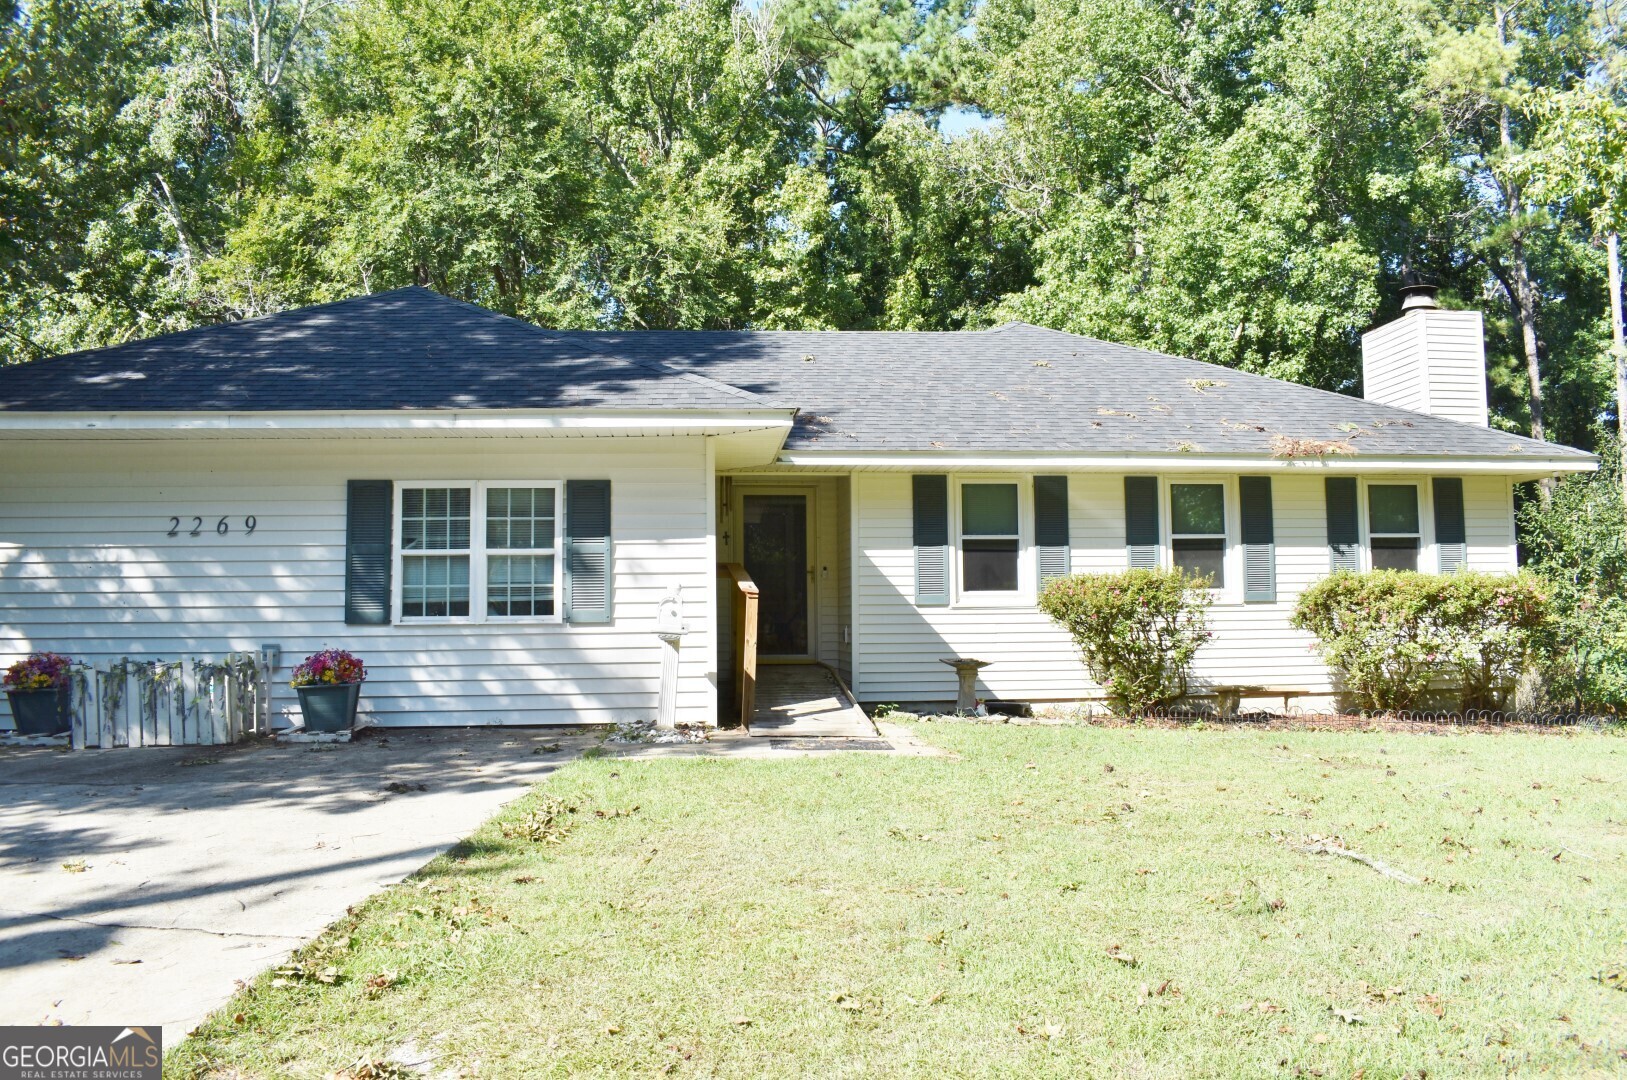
{"x":1052,"y":901}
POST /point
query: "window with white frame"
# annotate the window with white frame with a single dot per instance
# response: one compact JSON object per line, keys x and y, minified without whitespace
{"x":990,"y":539}
{"x":478,"y":551}
{"x":1393,"y":533}
{"x":435,"y":552}
{"x":522,"y":524}
{"x":1197,"y":516}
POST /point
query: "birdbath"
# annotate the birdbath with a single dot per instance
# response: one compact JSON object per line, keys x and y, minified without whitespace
{"x":966,"y":695}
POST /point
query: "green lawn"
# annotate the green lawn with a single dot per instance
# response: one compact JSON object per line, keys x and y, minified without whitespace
{"x":1050,"y":902}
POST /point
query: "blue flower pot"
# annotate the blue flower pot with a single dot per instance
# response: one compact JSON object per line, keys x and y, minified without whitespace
{"x":329,"y":706}
{"x":41,"y":712}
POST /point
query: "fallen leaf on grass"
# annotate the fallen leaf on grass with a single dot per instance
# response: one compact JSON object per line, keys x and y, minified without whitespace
{"x":1116,"y":952}
{"x":374,"y":985}
{"x":1319,"y":1038}
{"x":612,"y":1029}
{"x":1615,"y":978}
{"x":742,"y":1021}
{"x":1348,"y":1016}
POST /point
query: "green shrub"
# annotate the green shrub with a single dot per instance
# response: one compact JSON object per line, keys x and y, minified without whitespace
{"x":1575,"y":541}
{"x":1138,"y":631}
{"x":1390,"y":634}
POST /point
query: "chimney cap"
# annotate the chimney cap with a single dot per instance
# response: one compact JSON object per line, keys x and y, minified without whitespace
{"x":1418,"y":296}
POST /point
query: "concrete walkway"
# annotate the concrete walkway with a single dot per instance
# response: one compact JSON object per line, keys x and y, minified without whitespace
{"x":805,"y":701}
{"x":136,"y":886}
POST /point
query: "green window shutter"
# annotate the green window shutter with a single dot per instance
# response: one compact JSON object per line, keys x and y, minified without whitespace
{"x":1141,"y":521}
{"x":1344,"y":528}
{"x":368,"y":532}
{"x":1051,"y":527}
{"x":587,"y":551}
{"x":1259,"y":539}
{"x":931,"y":496}
{"x":1451,"y":534}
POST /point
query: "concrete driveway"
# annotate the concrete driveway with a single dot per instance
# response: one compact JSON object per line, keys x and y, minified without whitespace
{"x":136,"y":886}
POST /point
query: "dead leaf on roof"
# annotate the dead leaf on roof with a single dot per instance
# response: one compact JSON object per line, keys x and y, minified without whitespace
{"x":1184,"y":447}
{"x":1203,"y":386}
{"x":1241,"y":425}
{"x":1392,"y":423}
{"x":998,"y":395}
{"x":1288,"y":446}
{"x":1105,"y":411}
{"x":1042,"y":363}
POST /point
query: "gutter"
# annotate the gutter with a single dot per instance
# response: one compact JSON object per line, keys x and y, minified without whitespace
{"x":583,"y":420}
{"x":1531,"y":465}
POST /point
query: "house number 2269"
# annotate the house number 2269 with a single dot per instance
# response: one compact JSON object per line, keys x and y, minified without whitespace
{"x":221,"y":527}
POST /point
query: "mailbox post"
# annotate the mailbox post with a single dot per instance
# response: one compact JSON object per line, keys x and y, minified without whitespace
{"x":670,"y":628}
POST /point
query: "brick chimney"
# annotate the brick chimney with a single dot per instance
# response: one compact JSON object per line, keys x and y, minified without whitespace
{"x":1429,"y":360}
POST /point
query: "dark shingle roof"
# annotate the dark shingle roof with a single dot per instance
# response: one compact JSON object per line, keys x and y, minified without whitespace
{"x":1014,"y":388}
{"x":1026,"y":388}
{"x":405,"y":349}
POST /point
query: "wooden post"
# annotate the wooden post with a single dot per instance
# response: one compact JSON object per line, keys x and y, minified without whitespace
{"x":748,"y":659}
{"x":744,"y":602}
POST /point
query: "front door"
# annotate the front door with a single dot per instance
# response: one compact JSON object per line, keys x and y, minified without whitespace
{"x":775,"y":554}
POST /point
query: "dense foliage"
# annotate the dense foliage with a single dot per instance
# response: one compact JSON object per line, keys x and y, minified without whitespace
{"x":1390,"y":635}
{"x":1137,"y":631}
{"x":1575,"y":543}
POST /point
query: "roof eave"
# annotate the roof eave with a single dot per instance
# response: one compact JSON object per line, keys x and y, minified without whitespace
{"x":582,"y":420}
{"x":1522,"y":466}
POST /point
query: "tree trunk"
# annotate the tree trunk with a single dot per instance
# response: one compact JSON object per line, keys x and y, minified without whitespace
{"x":1522,"y":292}
{"x":1524,"y":295}
{"x":1618,"y":346}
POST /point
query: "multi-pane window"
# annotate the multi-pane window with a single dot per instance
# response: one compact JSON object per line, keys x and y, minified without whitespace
{"x":1197,"y":515}
{"x":989,"y":538}
{"x":435,"y":552}
{"x":481,"y":551}
{"x":520,"y":528}
{"x":1393,"y":535}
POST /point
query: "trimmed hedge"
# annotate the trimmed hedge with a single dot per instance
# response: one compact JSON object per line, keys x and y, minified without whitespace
{"x":1137,"y":630}
{"x":1390,"y":634}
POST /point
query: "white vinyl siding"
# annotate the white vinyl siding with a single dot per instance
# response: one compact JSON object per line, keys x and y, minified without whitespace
{"x":1033,"y":660}
{"x":1429,"y":361}
{"x":86,"y":569}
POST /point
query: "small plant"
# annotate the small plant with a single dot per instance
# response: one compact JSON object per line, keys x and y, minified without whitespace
{"x":41,"y":671}
{"x":330,"y":667}
{"x":1390,"y":634}
{"x":1137,"y":630}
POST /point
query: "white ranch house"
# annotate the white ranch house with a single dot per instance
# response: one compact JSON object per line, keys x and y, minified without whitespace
{"x":491,"y":514}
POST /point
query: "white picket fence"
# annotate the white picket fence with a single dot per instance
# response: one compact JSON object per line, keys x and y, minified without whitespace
{"x":192,"y":701}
